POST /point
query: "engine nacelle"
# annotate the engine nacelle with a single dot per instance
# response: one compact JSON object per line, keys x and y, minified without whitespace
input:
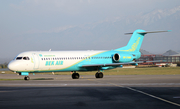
{"x":124,"y":57}
{"x":116,"y":57}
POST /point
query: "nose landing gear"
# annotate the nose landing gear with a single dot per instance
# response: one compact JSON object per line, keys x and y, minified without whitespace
{"x":26,"y":74}
{"x":26,"y":78}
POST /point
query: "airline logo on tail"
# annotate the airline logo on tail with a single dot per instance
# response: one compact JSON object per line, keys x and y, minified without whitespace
{"x":133,"y":47}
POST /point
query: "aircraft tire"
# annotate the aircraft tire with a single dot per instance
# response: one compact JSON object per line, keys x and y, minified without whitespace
{"x":26,"y":78}
{"x":75,"y":76}
{"x":99,"y":75}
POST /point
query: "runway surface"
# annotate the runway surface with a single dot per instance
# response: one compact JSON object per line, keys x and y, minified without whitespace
{"x":110,"y":92}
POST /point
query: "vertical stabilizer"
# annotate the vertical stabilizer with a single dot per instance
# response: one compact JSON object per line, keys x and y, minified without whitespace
{"x":135,"y":42}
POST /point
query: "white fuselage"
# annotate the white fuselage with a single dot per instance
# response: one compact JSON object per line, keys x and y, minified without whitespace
{"x":55,"y":60}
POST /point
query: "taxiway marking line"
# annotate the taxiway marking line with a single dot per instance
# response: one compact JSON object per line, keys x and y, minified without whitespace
{"x":153,"y":96}
{"x":139,"y":91}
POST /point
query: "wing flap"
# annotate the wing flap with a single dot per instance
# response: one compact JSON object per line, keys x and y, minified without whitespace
{"x":104,"y":65}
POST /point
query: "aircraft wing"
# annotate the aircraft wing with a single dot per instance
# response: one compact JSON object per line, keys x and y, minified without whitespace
{"x":118,"y":64}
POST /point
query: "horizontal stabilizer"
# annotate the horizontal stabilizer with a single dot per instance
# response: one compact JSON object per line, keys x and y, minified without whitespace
{"x":149,"y":32}
{"x":153,"y":32}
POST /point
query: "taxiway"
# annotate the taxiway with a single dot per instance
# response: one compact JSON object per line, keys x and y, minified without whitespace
{"x":60,"y":91}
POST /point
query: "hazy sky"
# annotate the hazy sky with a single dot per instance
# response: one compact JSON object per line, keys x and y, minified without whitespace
{"x":21,"y":19}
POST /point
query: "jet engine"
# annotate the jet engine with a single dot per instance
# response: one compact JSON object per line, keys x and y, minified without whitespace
{"x":116,"y":57}
{"x":124,"y":57}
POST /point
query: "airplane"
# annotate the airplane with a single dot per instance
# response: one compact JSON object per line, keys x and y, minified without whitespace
{"x":73,"y":61}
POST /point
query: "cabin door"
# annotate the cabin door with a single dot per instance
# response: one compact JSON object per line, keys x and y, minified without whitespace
{"x":36,"y":60}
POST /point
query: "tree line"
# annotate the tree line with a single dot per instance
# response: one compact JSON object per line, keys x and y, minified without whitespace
{"x":3,"y":65}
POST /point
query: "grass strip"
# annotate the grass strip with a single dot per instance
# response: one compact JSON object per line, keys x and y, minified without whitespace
{"x":43,"y":79}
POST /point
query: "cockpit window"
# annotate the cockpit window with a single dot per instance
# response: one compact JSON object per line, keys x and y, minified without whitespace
{"x":18,"y":58}
{"x":24,"y":58}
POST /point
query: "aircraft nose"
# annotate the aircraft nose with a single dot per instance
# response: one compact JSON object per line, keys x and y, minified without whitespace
{"x":12,"y":66}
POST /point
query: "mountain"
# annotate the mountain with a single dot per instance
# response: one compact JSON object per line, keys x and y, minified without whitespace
{"x":104,"y":34}
{"x":170,"y":52}
{"x":144,"y":52}
{"x":107,"y":34}
{"x":157,"y":15}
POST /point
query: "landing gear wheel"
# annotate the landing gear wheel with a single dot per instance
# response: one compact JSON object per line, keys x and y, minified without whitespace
{"x":99,"y":75}
{"x":75,"y":76}
{"x":26,"y":78}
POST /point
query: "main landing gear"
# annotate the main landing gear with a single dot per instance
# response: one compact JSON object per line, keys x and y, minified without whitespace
{"x":99,"y":75}
{"x":75,"y":75}
{"x":26,"y":78}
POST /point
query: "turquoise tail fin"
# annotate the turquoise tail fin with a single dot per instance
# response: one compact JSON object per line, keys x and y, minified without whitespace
{"x":135,"y":41}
